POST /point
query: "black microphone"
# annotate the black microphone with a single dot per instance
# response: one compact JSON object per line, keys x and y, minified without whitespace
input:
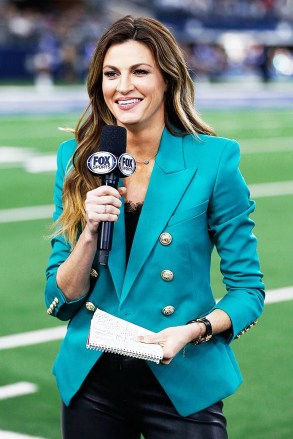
{"x":111,"y":162}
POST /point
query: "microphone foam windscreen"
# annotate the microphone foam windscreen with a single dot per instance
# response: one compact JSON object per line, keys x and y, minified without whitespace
{"x":113,"y":139}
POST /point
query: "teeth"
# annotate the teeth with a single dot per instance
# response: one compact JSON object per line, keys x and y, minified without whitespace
{"x":129,"y":101}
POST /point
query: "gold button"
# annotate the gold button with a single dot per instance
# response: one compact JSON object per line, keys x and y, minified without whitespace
{"x":94,"y":273}
{"x":165,"y":238}
{"x":168,"y":310}
{"x":90,"y":306}
{"x":167,"y":275}
{"x":56,"y":300}
{"x":49,"y":311}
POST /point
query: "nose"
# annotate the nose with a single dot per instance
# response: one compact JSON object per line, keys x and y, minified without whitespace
{"x":124,"y":84}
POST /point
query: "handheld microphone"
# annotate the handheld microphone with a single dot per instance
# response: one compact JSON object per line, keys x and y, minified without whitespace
{"x":111,"y":162}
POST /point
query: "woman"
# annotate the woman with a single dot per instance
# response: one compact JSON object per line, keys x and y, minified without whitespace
{"x":186,"y":196}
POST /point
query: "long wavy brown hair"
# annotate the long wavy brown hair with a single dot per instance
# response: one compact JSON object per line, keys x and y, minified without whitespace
{"x":180,"y":115}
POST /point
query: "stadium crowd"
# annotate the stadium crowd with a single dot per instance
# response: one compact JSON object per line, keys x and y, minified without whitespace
{"x":56,"y":44}
{"x":233,"y":8}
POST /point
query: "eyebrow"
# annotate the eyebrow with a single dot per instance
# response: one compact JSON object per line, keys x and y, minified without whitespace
{"x":135,"y":66}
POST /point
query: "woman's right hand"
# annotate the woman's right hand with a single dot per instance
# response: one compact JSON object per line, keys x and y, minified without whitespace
{"x":73,"y":275}
{"x":102,"y":204}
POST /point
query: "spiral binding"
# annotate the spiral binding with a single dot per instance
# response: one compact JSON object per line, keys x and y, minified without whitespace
{"x":112,"y":334}
{"x":125,"y":352}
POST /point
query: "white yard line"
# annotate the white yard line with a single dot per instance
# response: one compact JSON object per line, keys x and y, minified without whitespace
{"x":279,"y":295}
{"x":276,"y":189}
{"x":32,"y":337}
{"x":58,"y":333}
{"x":12,"y":435}
{"x":26,"y":213}
{"x":35,"y":162}
{"x":18,"y":214}
{"x":264,"y":146}
{"x":17,"y":389}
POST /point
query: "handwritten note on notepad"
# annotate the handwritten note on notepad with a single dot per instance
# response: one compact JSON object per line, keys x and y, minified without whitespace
{"x":112,"y":334}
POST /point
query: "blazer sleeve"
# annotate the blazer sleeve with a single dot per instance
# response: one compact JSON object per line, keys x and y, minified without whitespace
{"x":56,"y":303}
{"x":231,"y":232}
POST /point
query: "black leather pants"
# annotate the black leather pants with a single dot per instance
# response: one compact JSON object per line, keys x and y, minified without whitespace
{"x":121,"y":399}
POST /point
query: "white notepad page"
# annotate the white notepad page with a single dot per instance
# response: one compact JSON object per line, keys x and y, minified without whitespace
{"x":112,"y":334}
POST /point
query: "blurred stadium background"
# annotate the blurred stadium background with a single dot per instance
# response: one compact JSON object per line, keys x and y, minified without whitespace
{"x":240,"y":54}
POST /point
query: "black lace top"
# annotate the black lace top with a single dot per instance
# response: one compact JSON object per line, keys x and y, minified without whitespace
{"x":132,"y":212}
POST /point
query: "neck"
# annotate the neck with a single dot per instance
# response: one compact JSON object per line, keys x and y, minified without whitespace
{"x":144,"y":144}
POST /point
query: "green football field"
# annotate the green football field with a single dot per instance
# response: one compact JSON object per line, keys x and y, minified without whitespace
{"x":263,"y":406}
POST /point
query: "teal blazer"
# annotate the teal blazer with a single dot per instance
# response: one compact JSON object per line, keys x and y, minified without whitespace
{"x":196,"y":194}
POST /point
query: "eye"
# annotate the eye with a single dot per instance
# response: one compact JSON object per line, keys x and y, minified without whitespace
{"x":140,"y":72}
{"x":110,"y":74}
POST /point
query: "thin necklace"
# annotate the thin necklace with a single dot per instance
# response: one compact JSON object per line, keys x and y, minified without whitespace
{"x":146,"y":162}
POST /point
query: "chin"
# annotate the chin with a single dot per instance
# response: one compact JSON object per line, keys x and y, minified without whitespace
{"x":129,"y":122}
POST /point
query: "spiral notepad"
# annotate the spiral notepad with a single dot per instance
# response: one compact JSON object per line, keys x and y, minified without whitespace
{"x":112,"y":334}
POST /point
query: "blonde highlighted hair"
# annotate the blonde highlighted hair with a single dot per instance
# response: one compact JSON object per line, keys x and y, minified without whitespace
{"x":180,"y":115}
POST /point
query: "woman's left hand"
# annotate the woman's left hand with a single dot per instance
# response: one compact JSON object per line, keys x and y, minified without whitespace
{"x":172,"y":339}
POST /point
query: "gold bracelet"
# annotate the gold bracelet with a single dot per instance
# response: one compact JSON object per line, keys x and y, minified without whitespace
{"x":195,"y":340}
{"x":209,"y":330}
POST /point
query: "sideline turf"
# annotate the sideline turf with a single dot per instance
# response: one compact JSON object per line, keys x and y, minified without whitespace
{"x":262,"y":408}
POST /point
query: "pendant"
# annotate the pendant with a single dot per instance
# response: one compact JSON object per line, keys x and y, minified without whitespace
{"x":146,"y":162}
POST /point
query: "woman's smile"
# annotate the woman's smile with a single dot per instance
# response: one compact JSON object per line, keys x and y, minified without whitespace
{"x":126,"y":104}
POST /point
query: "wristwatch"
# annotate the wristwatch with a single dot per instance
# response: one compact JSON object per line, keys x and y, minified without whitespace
{"x":209,"y":330}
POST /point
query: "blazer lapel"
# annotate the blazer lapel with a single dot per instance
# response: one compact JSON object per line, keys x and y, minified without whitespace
{"x":168,"y":183}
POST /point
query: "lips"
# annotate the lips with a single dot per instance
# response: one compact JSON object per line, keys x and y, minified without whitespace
{"x":128,"y":101}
